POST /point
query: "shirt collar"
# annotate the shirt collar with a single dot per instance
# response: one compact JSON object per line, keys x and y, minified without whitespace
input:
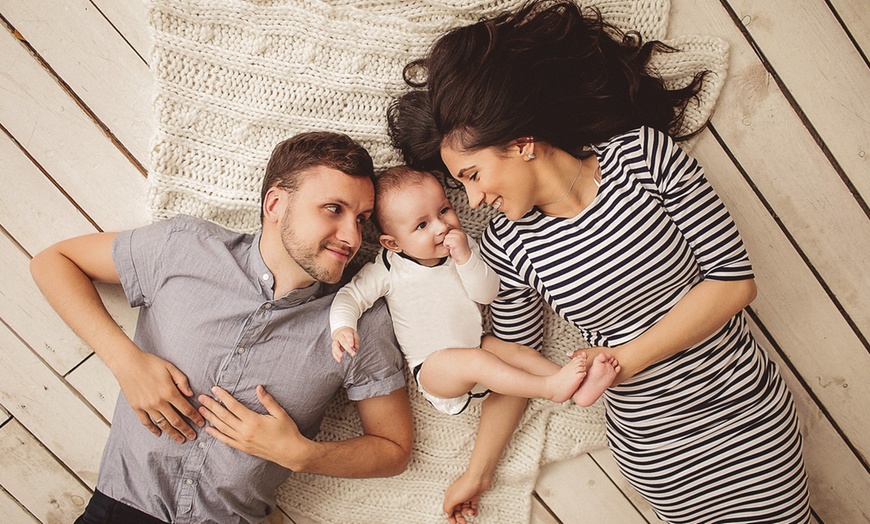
{"x":266,"y":280}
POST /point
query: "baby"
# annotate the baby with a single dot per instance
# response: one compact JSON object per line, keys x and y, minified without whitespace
{"x":433,"y":279}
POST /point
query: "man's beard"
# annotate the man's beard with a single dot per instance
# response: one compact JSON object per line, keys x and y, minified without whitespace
{"x":306,"y":257}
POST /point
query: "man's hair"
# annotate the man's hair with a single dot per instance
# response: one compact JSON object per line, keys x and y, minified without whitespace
{"x":293,"y":157}
{"x":390,"y":181}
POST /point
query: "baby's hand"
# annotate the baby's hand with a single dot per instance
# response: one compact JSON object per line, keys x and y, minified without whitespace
{"x":457,"y":242}
{"x":344,"y":339}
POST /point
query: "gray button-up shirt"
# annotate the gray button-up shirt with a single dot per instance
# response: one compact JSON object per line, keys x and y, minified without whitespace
{"x":207,"y":306}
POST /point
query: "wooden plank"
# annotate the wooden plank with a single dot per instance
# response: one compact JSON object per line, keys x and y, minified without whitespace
{"x":838,"y":483}
{"x":66,"y":143}
{"x":12,"y":511}
{"x":541,"y":514}
{"x":794,"y":307}
{"x":32,"y":210}
{"x":785,"y":164}
{"x":93,"y":380}
{"x":854,"y":15}
{"x":23,"y":307}
{"x":83,"y":48}
{"x":130,"y":18}
{"x":579,"y":492}
{"x":49,"y":409}
{"x":31,"y":475}
{"x":830,"y":81}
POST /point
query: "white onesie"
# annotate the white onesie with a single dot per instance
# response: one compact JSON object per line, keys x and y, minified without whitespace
{"x":432,"y":308}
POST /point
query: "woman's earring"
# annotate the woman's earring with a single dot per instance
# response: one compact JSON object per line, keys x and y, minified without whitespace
{"x":531,"y":156}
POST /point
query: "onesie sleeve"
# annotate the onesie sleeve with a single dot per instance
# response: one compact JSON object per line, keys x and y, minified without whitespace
{"x":369,"y":284}
{"x":480,"y":282}
{"x":517,"y":312}
{"x":696,"y":209}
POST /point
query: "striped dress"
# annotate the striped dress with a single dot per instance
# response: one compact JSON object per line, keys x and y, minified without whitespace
{"x":709,"y":434}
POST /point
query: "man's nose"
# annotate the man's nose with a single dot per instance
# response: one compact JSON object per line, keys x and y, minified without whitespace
{"x":350,"y":233}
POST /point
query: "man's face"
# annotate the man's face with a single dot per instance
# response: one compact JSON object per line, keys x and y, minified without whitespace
{"x":322,"y":225}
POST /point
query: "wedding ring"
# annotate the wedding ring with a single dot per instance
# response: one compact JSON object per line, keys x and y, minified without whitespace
{"x":158,"y":421}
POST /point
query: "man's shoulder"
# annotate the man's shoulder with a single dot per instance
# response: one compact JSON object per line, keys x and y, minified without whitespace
{"x":375,"y":317}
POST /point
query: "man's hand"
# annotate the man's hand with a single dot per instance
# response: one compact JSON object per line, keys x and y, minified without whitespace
{"x":156,"y":391}
{"x":264,"y":436}
{"x":344,"y":339}
{"x":457,"y":242}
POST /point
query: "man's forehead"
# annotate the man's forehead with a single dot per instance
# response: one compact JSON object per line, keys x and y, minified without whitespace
{"x":326,"y":183}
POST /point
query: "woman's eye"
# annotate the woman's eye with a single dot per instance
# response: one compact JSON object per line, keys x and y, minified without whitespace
{"x":473,"y":177}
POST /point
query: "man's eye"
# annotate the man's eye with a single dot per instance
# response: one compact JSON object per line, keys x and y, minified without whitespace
{"x":362,"y":219}
{"x":333,"y":208}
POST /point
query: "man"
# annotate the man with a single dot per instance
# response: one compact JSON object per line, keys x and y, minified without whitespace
{"x":241,"y":322}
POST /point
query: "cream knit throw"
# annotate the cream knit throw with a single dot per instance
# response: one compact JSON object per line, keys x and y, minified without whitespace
{"x":235,"y":77}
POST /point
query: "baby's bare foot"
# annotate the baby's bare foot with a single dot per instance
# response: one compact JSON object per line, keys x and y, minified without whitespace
{"x":562,"y":384}
{"x":601,"y":374}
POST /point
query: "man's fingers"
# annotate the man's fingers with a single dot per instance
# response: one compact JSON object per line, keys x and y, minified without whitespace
{"x":269,"y":402}
{"x":146,"y":421}
{"x":180,"y":380}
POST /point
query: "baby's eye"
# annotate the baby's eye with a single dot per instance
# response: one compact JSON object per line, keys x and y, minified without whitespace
{"x":422,"y":225}
{"x":445,"y":210}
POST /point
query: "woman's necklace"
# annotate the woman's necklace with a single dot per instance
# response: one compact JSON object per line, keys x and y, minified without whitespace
{"x":563,"y":197}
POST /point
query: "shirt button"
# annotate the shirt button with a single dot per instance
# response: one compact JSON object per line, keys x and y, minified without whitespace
{"x":240,"y":351}
{"x":266,"y":276}
{"x":267,"y":305}
{"x":188,"y":481}
{"x":201,"y":445}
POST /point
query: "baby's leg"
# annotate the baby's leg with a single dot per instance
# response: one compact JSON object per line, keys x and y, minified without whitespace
{"x":603,"y":370}
{"x":452,"y":372}
{"x":523,"y":357}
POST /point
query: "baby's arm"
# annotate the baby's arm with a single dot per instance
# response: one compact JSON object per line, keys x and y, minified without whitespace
{"x":354,"y":298}
{"x":480,"y":281}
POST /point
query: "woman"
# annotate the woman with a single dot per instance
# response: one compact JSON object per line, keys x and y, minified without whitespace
{"x":548,"y":116}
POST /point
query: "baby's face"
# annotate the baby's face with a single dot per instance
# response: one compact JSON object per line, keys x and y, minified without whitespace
{"x":419,"y":216}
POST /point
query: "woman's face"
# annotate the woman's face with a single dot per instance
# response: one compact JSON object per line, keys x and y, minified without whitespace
{"x":494,"y":177}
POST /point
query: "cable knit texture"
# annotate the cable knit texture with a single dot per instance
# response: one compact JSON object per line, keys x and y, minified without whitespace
{"x":235,"y":77}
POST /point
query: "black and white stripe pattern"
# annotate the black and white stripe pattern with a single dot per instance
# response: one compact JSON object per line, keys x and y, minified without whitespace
{"x":707,"y":435}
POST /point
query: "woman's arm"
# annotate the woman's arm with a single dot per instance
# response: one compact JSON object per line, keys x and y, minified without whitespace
{"x":702,"y":311}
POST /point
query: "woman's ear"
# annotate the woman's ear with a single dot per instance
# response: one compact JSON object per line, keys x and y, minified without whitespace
{"x":526,"y":147}
{"x":274,"y":204}
{"x":389,"y":242}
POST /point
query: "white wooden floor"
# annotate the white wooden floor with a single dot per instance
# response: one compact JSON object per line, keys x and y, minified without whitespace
{"x":789,"y":150}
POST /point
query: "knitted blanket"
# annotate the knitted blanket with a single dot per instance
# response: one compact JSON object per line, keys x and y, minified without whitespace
{"x":235,"y":77}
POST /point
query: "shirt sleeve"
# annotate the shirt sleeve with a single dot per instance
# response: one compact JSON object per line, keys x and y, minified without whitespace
{"x":378,"y":369}
{"x":517,"y":312}
{"x":479,"y":280}
{"x":369,"y":284}
{"x":138,"y":255}
{"x":696,"y":209}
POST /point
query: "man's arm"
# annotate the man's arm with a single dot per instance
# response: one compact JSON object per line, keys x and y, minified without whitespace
{"x":65,"y":273}
{"x":383,"y":450}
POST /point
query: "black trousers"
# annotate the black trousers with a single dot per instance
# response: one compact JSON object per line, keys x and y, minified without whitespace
{"x":105,"y":510}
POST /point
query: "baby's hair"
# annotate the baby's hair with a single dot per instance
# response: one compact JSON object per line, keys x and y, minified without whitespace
{"x":391,"y":180}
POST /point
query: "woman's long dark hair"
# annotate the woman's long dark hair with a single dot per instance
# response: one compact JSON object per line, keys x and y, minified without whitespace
{"x":549,"y":70}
